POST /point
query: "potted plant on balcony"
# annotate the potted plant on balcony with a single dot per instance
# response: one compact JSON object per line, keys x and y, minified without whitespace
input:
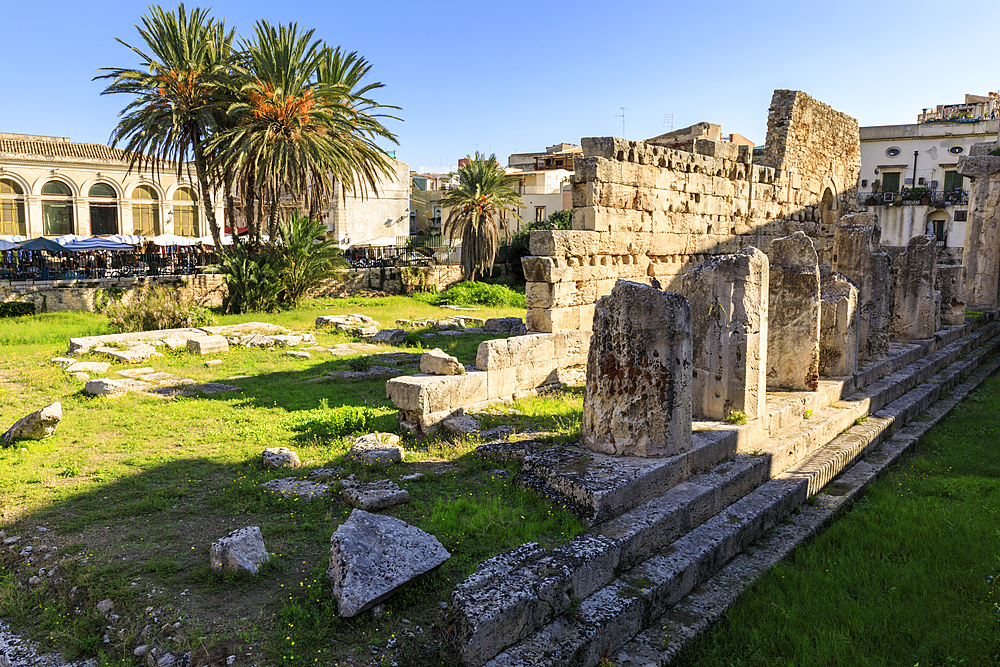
{"x":922,"y":195}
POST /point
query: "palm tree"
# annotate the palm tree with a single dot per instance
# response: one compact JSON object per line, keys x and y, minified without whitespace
{"x":179,"y":93}
{"x":300,"y":123}
{"x":477,"y":203}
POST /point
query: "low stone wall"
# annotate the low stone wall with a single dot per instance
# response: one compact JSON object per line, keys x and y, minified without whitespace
{"x":401,"y":280}
{"x":506,"y":368}
{"x":80,"y":295}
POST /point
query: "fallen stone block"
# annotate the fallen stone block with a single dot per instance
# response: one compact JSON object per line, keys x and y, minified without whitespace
{"x":63,"y":361}
{"x":213,"y":387}
{"x":134,"y":355}
{"x":439,"y":362}
{"x":286,"y":341}
{"x":242,"y":550}
{"x":374,"y":495}
{"x":256,"y":340}
{"x":280,"y":457}
{"x":503,"y":325}
{"x":89,"y":367}
{"x":82,"y":377}
{"x":381,"y":449}
{"x":134,"y":373}
{"x":390,"y":336}
{"x":325,"y":474}
{"x":114,"y":388}
{"x":461,"y":425}
{"x":213,"y":362}
{"x":374,"y":556}
{"x":208,"y":345}
{"x":298,"y":354}
{"x":175,"y":343}
{"x":290,"y":487}
{"x":39,"y":424}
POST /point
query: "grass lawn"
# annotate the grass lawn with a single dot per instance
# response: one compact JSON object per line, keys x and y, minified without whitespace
{"x":123,"y":502}
{"x":907,"y":577}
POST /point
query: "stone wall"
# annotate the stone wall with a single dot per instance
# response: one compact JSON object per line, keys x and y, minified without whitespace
{"x":396,"y":280}
{"x":80,"y":295}
{"x":645,"y":212}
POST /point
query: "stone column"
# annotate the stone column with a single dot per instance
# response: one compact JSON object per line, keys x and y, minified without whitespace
{"x":858,"y":255}
{"x":793,"y":314}
{"x":637,"y":400}
{"x":914,"y":308}
{"x":729,"y":297}
{"x":982,"y":231}
{"x":950,"y":283}
{"x":838,"y":337}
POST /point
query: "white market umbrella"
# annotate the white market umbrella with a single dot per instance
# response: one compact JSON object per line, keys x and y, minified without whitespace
{"x":130,"y":239}
{"x":173,"y":239}
{"x":69,"y":238}
{"x":8,"y":245}
{"x":13,"y":238}
{"x":227,"y":239}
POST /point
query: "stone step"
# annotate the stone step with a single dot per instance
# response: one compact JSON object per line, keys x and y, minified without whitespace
{"x":604,"y":617}
{"x":672,"y":632}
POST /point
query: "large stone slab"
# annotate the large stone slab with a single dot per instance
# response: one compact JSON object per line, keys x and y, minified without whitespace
{"x":637,"y":399}
{"x":915,"y":309}
{"x":373,"y":495}
{"x":377,"y":449}
{"x":793,"y":314}
{"x":114,"y":388}
{"x":838,"y":344}
{"x":36,"y":426}
{"x":982,"y":230}
{"x":439,"y":362}
{"x":373,"y":556}
{"x":208,"y":344}
{"x":729,"y":325}
{"x":242,"y":550}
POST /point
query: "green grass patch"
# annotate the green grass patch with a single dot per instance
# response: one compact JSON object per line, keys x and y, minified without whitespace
{"x":905,"y":578}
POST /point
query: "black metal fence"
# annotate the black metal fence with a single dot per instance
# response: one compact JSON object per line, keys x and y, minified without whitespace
{"x":26,"y":265}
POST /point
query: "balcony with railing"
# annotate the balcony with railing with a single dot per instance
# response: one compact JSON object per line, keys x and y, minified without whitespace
{"x":936,"y":198}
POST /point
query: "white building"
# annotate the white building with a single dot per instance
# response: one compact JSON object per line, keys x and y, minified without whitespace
{"x":50,"y":186}
{"x":543,"y":181}
{"x":909,"y":176}
{"x":368,"y":215}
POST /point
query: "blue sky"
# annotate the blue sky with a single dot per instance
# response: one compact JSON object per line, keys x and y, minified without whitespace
{"x":516,"y":77}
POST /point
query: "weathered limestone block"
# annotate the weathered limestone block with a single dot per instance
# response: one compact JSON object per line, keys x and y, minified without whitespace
{"x":637,"y":399}
{"x":838,"y":343}
{"x":505,"y":325}
{"x":729,"y":311}
{"x":951,"y":284}
{"x":280,"y":457}
{"x":915,"y":309}
{"x":390,"y":336}
{"x":36,"y":426}
{"x":208,"y":344}
{"x":857,"y":254}
{"x":114,"y":388}
{"x":563,"y":243}
{"x":982,"y":230}
{"x":793,"y":314}
{"x":242,"y":550}
{"x":377,"y":449}
{"x":438,"y":362}
{"x":375,"y":495}
{"x":373,"y":556}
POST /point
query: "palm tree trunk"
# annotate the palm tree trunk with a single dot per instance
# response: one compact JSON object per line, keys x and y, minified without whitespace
{"x":201,"y":169}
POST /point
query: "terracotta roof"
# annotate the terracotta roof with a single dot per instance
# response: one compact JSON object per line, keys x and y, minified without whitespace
{"x":63,"y":149}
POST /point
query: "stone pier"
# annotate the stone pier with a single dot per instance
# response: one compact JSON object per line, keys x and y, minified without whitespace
{"x":793,"y":314}
{"x":838,"y":341}
{"x":858,"y":255}
{"x":729,"y":311}
{"x":915,"y":309}
{"x":982,"y":231}
{"x":950,"y":284}
{"x":637,"y":401}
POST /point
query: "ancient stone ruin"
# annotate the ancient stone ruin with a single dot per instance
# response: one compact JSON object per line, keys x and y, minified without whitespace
{"x":748,"y":340}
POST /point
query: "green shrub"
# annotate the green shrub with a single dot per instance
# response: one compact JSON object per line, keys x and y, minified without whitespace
{"x":475,"y":294}
{"x":360,"y":364}
{"x":350,"y":419}
{"x":16,"y":309}
{"x":161,"y":308}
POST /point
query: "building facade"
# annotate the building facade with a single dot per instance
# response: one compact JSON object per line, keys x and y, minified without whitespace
{"x":365,"y":215}
{"x":51,"y":186}
{"x":909,"y":173}
{"x":543,"y":182}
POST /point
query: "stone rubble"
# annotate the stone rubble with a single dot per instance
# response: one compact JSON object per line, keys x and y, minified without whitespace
{"x":279,"y":457}
{"x":36,"y":426}
{"x":373,"y":556}
{"x":377,"y":449}
{"x":242,"y":550}
{"x":372,"y":496}
{"x":438,"y":362}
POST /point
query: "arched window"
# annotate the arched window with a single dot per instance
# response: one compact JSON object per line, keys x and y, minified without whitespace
{"x":57,"y":209}
{"x":12,"y":208}
{"x":145,"y":211}
{"x":103,"y":210}
{"x":186,"y":213}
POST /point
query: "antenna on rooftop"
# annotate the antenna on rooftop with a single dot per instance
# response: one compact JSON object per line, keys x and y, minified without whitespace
{"x":622,"y":116}
{"x":668,"y":121}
